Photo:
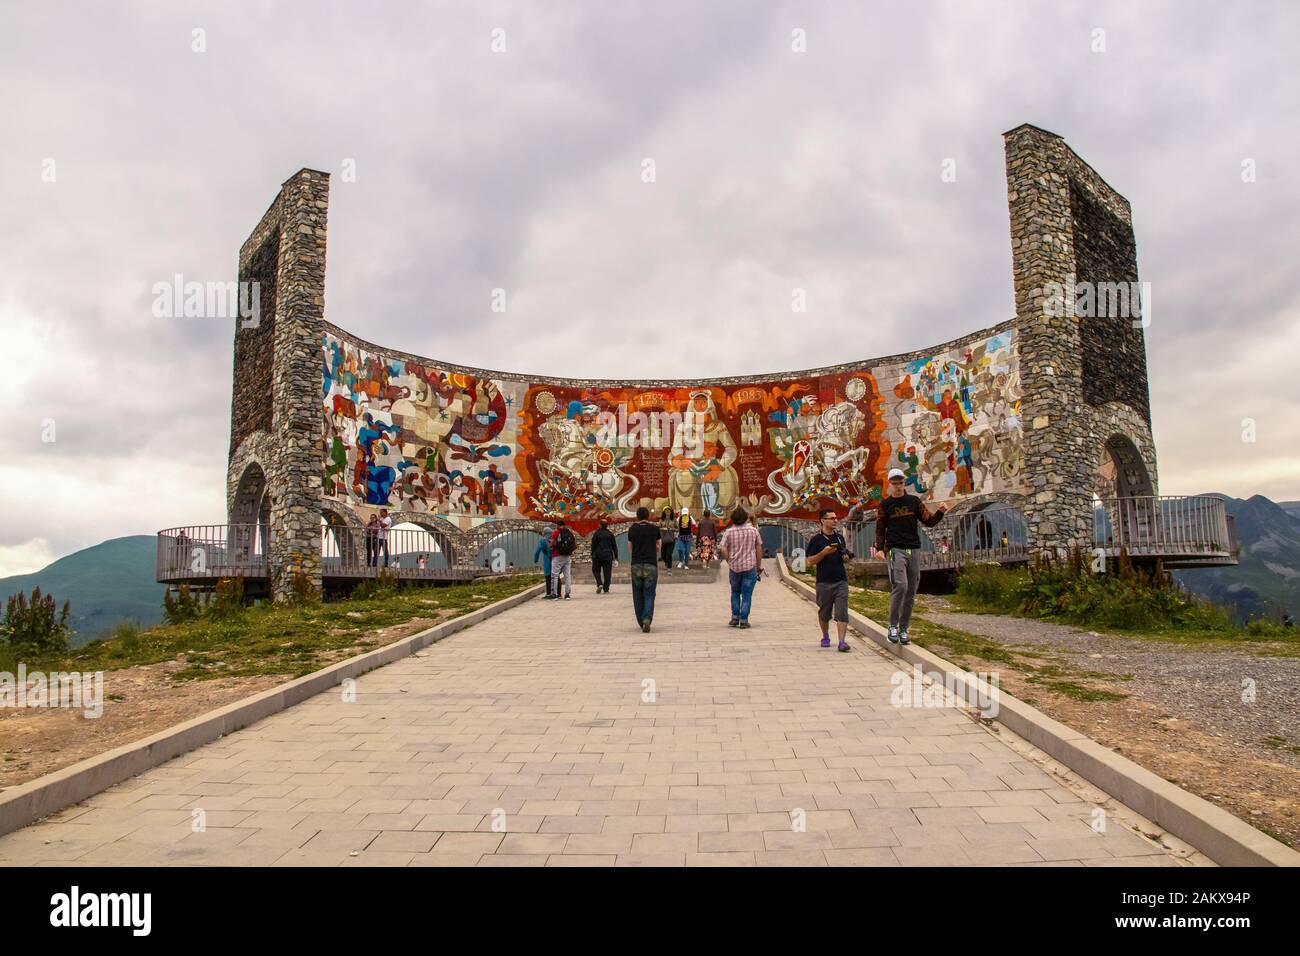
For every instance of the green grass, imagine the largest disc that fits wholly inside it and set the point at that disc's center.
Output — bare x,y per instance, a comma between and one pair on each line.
1126,602
975,652
292,640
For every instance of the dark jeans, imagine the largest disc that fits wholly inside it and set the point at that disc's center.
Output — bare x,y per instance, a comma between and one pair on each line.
601,569
742,591
645,578
383,546
666,552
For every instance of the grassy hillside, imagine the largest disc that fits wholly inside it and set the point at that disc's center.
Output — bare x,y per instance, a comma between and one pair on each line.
108,583
281,638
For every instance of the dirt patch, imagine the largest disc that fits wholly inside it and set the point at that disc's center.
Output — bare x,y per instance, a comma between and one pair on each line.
1183,714
138,702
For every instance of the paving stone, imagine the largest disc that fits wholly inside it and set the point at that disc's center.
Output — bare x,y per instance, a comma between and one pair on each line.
534,721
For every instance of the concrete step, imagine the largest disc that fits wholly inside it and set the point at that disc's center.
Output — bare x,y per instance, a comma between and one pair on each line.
692,575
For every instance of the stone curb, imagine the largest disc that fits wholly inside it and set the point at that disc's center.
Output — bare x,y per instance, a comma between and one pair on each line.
1224,838
38,798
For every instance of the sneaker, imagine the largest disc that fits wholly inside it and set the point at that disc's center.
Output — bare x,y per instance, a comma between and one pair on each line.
567,596
844,645
826,640
893,635
733,622
902,638
742,625
645,627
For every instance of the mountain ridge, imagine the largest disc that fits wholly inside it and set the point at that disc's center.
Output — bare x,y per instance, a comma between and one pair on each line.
106,583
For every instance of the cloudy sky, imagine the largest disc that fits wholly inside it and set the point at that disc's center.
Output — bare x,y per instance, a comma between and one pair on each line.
522,170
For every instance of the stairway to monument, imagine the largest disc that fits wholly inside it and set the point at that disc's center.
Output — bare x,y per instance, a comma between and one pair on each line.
692,575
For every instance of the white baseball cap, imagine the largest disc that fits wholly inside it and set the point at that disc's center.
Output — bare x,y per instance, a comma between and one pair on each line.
896,473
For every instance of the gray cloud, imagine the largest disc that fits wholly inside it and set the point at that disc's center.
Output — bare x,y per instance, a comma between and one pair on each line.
522,170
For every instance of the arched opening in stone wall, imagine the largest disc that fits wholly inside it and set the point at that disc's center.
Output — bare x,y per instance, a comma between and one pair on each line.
1124,508
1121,472
508,551
987,526
411,540
249,533
341,544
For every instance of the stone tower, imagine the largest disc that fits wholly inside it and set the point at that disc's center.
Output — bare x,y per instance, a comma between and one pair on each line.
273,479
1084,376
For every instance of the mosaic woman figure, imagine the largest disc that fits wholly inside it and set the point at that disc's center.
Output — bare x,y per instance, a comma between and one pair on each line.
701,475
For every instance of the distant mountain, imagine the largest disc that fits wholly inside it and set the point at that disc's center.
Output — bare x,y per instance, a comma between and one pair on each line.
1267,578
107,584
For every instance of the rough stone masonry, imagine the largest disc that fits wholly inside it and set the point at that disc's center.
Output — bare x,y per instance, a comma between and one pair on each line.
1082,380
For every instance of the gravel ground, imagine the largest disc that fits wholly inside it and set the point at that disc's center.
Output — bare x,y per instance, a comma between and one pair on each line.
1201,685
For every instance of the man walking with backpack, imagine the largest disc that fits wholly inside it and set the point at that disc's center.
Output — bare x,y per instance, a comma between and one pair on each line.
563,544
898,542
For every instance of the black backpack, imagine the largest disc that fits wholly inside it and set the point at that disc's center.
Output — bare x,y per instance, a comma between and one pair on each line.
565,543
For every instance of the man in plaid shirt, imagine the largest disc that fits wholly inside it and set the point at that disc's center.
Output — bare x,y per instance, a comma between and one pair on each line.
742,549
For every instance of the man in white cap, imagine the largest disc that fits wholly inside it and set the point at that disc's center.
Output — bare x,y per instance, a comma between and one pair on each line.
898,544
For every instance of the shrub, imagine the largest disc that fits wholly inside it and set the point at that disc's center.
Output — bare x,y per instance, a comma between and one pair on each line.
989,586
227,599
385,584
1123,598
185,606
36,625
127,634
1260,627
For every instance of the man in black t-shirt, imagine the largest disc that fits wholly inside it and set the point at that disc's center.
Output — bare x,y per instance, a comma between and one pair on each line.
643,539
604,548
898,543
827,552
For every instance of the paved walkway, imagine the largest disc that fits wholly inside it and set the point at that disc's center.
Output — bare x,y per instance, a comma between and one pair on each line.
558,734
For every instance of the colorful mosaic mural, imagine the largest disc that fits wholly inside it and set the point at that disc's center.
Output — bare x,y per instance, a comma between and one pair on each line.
413,437
954,420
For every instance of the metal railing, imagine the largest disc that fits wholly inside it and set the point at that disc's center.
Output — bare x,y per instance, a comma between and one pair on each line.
1168,525
211,551
1190,529
364,552
417,553
992,533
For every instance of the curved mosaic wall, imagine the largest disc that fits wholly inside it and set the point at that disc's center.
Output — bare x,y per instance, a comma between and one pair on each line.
470,446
